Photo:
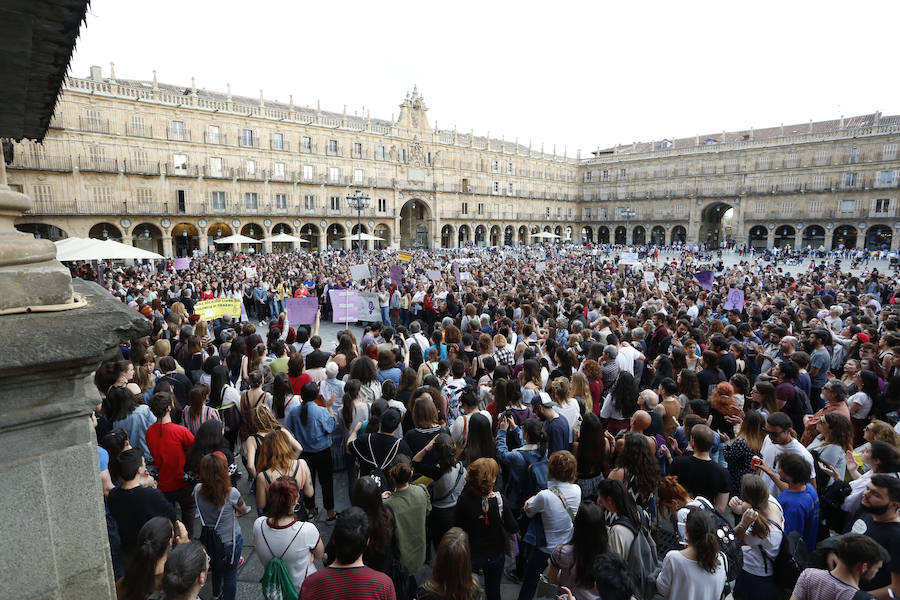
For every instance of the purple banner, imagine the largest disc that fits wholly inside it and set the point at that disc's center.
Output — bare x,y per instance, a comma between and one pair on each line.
396,275
735,300
302,311
344,305
181,264
456,273
705,279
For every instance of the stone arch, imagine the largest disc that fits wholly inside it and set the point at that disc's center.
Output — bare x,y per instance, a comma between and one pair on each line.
679,234
282,227
42,231
844,237
254,230
587,234
447,236
603,235
785,235
185,239
480,235
464,235
218,230
523,235
495,235
758,237
147,236
658,236
310,231
333,235
878,237
105,231
621,236
415,221
639,236
384,232
813,236
711,230
558,231
508,234
354,244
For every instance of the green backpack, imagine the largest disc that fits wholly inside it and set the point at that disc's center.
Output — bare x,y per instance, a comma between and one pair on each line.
276,580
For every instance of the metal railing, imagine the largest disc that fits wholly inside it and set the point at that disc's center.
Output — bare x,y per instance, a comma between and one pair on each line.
183,135
144,167
134,130
100,165
221,139
93,125
40,162
184,171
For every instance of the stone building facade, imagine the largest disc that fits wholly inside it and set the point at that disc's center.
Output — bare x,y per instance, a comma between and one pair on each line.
170,169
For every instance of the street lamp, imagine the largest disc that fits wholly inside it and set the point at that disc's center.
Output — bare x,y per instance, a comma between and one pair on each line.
628,213
358,201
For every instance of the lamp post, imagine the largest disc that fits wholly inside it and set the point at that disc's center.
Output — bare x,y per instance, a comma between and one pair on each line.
358,201
628,213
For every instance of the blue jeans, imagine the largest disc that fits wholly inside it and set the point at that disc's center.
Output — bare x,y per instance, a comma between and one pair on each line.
534,567
748,586
228,578
386,316
274,308
492,567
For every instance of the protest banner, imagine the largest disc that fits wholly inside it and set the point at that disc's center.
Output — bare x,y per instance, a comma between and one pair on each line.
396,275
367,310
360,272
649,277
735,300
663,286
217,308
705,279
301,311
404,256
433,274
541,266
628,258
250,272
456,273
344,305
181,264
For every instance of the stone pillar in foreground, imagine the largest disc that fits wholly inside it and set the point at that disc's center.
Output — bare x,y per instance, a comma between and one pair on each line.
53,530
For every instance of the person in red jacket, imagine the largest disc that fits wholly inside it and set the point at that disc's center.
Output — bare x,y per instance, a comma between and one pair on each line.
169,444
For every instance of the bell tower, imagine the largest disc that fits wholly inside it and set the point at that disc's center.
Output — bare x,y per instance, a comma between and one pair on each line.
413,112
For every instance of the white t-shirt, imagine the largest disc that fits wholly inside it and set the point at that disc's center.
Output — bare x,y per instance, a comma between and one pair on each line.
753,546
571,411
557,522
864,402
297,554
461,424
771,451
682,577
289,405
626,357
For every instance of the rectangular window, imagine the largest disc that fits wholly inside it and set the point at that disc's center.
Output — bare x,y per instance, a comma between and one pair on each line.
278,170
510,189
145,195
558,211
250,168
382,205
623,174
215,166
588,176
179,162
822,157
480,208
307,172
335,203
496,187
43,193
510,170
495,166
464,208
404,155
334,174
428,159
306,144
251,200
357,150
762,163
759,207
92,120
309,202
357,176
889,152
854,155
137,125
332,147
885,177
787,207
882,205
548,212
277,141
178,129
246,137
212,134
848,206
281,201
379,152
792,160
218,200
849,179
814,207
818,182
604,175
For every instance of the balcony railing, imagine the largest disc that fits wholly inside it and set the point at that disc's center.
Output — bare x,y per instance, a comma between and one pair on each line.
100,165
219,139
178,135
181,171
41,162
144,167
220,173
93,125
134,130
284,147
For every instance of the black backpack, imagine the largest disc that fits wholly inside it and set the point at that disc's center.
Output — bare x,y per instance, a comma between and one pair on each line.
791,560
209,537
378,472
729,544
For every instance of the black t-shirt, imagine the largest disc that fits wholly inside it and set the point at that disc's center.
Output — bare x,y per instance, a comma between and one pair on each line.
416,439
317,359
381,452
727,364
701,477
132,508
888,535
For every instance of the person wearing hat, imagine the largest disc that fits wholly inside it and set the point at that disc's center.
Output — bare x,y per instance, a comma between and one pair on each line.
555,425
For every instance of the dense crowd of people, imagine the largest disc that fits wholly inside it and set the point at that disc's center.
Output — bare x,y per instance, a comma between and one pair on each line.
672,427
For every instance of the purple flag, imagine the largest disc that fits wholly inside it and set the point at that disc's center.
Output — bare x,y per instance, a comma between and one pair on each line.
705,278
301,311
345,305
181,263
735,300
396,275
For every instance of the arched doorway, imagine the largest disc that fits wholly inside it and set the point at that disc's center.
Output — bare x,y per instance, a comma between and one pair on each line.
465,235
508,235
785,235
878,237
758,237
283,247
523,235
559,232
105,231
354,245
712,229
415,216
42,231
384,232
256,232
603,235
185,239
311,233
844,237
147,236
495,235
216,231
621,236
480,236
679,235
333,236
813,237
639,238
447,236
587,235
658,236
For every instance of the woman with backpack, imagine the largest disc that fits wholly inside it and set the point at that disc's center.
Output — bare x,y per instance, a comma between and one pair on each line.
552,512
572,563
224,397
219,504
760,531
250,399
143,573
276,458
411,505
697,571
448,476
280,535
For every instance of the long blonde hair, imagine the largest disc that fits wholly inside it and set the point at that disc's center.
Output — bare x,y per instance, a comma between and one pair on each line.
582,389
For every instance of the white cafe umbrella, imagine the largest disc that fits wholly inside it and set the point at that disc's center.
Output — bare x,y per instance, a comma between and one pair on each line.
237,238
73,249
286,238
544,234
366,237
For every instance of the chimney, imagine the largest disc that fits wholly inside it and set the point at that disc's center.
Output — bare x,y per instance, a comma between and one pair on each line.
96,74
112,72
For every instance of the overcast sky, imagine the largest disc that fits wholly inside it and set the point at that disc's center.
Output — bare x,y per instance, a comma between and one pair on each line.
574,74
